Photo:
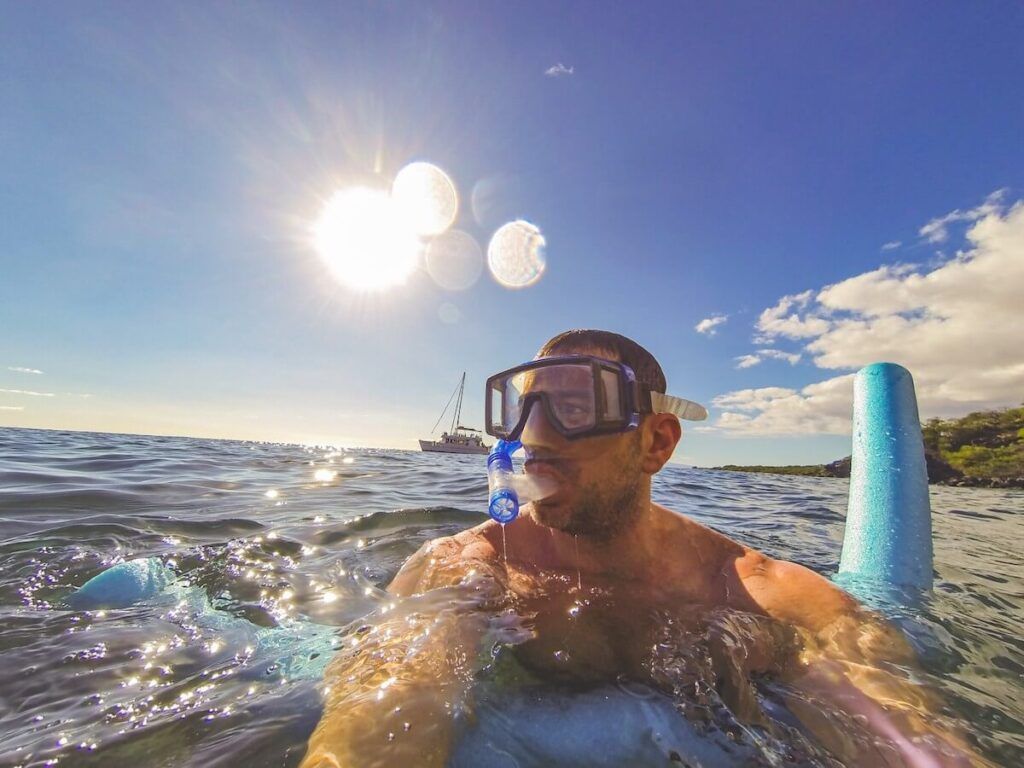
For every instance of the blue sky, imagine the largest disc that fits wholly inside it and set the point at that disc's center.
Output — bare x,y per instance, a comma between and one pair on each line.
162,167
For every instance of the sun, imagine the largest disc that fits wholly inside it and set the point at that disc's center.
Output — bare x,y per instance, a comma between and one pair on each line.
373,239
366,239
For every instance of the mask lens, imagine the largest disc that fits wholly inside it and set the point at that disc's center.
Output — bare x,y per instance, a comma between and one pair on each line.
512,399
496,424
569,390
613,405
575,395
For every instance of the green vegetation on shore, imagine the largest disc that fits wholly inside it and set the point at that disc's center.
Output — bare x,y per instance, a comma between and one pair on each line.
807,470
981,448
983,444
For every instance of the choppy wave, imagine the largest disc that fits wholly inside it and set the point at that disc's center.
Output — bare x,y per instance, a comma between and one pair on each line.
259,540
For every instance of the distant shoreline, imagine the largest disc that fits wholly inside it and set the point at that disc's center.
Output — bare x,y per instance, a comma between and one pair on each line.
984,449
821,470
804,470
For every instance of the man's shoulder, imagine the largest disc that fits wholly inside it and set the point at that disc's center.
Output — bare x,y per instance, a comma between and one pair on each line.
470,544
783,589
476,543
443,554
716,546
792,592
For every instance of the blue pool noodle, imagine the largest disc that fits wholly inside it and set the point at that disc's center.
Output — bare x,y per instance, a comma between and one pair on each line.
123,584
297,651
888,538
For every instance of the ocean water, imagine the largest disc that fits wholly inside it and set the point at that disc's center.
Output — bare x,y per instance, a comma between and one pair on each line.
281,550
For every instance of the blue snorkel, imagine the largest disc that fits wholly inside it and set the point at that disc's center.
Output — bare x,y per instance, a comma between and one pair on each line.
503,501
508,489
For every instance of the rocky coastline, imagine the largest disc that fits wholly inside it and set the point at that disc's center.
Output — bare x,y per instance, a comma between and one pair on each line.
984,449
841,468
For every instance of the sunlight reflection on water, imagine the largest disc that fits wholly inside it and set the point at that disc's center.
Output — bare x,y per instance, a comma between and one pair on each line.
224,667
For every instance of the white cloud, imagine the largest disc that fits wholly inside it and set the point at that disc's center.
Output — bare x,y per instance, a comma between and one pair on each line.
559,70
777,354
937,230
709,325
19,369
957,326
823,407
26,392
892,245
747,361
12,408
751,399
784,319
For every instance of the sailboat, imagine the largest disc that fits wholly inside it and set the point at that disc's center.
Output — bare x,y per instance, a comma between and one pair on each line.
460,439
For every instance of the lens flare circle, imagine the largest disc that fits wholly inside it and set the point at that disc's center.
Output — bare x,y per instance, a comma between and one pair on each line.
449,313
454,260
427,198
366,240
515,254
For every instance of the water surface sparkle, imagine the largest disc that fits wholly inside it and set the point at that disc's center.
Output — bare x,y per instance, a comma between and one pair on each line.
193,675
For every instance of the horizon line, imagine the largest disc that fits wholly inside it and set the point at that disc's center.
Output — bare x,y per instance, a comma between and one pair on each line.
252,440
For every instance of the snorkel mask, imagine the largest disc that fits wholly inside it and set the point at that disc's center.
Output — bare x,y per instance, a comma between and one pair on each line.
582,396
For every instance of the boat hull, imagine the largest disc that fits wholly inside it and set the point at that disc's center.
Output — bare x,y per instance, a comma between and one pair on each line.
432,446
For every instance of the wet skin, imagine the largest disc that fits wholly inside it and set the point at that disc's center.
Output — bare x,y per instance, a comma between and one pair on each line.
593,628
641,567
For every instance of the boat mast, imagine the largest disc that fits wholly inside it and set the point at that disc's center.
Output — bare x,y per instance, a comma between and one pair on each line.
434,428
458,404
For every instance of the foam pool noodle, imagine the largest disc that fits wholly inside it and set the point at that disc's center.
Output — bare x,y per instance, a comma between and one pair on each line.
294,650
123,584
888,538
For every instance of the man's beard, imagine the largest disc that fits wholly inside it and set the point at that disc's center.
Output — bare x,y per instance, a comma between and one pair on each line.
601,515
601,512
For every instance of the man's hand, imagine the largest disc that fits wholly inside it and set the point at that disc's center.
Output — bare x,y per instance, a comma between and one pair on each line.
394,690
855,660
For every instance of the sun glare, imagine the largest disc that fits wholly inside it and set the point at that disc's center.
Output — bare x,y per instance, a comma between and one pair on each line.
366,240
515,254
454,260
426,197
372,239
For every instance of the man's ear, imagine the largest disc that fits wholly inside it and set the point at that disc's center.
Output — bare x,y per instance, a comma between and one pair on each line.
662,435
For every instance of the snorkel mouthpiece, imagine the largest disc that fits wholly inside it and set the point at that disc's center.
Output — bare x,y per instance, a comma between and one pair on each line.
503,505
509,489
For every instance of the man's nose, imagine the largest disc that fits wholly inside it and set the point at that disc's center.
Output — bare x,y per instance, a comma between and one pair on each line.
537,431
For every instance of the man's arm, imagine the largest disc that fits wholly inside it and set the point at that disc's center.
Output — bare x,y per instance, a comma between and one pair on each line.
393,693
855,659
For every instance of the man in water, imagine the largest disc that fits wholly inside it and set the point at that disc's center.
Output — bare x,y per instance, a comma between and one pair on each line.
594,582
